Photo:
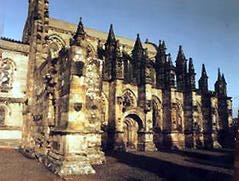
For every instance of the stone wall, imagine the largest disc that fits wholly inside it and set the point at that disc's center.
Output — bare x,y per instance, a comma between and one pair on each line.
14,60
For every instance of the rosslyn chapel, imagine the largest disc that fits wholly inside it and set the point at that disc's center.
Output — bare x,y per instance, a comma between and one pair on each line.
68,94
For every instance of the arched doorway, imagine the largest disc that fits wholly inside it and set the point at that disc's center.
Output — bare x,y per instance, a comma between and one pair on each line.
132,137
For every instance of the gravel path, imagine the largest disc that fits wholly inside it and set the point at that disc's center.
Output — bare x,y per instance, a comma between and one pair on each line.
186,165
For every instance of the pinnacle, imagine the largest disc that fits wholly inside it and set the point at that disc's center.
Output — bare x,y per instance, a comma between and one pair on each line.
80,28
164,45
111,36
138,44
181,57
180,48
170,63
219,78
80,33
223,79
204,72
191,66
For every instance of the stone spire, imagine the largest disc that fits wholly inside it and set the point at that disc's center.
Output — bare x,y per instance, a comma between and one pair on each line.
203,81
181,70
180,57
224,85
111,50
161,53
111,37
169,61
204,72
223,79
191,66
163,46
170,73
79,35
191,75
221,85
138,50
138,44
138,61
160,64
219,76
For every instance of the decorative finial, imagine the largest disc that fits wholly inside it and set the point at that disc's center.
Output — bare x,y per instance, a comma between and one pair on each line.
111,36
80,34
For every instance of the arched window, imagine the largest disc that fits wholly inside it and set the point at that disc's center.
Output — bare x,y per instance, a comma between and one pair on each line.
6,69
104,109
198,119
55,44
157,113
129,100
177,124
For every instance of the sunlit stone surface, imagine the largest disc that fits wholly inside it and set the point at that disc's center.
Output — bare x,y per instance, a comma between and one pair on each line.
68,99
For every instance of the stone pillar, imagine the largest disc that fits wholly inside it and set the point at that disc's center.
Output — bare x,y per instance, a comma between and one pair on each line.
148,134
188,116
76,141
119,132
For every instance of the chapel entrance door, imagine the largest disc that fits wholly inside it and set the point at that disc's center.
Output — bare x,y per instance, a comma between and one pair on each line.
131,136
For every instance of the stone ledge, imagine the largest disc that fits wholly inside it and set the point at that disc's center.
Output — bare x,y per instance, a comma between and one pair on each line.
14,46
10,128
65,132
12,99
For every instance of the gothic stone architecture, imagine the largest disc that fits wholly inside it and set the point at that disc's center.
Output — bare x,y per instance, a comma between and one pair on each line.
81,92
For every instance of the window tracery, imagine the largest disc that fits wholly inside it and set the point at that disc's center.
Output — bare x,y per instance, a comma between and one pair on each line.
128,100
6,74
55,44
157,113
177,124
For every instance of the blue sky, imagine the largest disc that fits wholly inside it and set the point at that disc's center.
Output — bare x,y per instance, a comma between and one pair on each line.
207,29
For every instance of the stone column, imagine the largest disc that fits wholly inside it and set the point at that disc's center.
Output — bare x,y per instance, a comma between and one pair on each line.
148,137
76,141
119,132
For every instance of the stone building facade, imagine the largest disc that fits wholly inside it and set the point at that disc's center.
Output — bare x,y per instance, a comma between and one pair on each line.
88,91
13,68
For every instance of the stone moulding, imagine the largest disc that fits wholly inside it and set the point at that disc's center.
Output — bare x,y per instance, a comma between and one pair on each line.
12,100
14,46
65,132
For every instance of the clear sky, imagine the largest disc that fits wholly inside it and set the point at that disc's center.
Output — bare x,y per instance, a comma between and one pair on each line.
207,29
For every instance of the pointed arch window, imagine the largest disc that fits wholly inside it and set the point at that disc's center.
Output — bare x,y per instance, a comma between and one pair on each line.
176,114
7,68
129,100
55,44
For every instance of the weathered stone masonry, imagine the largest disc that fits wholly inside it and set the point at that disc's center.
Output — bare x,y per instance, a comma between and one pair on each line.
89,92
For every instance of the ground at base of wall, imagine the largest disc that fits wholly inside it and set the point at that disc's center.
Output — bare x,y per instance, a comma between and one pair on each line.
10,143
165,165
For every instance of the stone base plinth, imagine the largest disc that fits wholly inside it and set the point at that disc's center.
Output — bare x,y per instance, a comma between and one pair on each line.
27,152
71,166
174,140
96,157
150,146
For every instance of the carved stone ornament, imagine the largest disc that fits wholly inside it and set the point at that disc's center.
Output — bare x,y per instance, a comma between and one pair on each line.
148,105
77,106
37,118
120,100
